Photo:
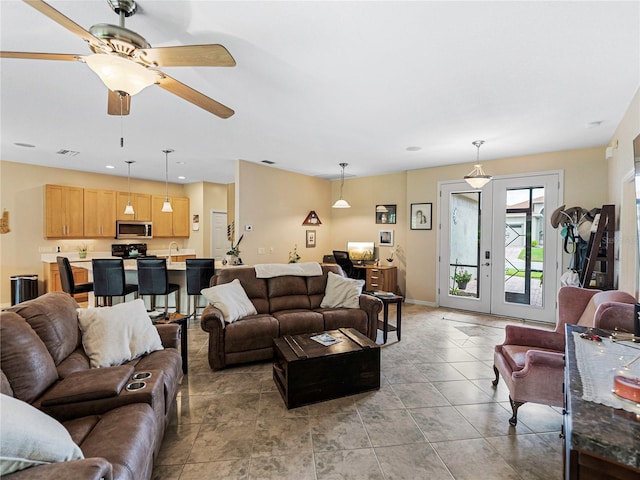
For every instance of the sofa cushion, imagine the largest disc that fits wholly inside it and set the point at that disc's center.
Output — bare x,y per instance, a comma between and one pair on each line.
335,318
53,317
342,292
251,333
317,285
293,322
31,437
231,299
256,288
115,335
25,360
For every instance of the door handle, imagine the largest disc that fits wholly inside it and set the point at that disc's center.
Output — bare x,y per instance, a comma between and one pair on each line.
486,264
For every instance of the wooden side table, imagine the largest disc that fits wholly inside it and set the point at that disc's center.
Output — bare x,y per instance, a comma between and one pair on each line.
386,301
180,319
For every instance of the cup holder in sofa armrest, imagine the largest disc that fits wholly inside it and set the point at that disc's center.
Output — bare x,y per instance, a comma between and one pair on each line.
86,385
134,386
141,376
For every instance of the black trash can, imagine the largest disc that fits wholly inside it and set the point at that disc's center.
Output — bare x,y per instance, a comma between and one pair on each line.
23,288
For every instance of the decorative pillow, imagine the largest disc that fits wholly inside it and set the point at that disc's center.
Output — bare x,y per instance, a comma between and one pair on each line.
342,292
30,437
115,335
231,300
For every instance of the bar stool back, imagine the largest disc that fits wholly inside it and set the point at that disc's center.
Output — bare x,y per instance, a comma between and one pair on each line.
199,273
109,281
153,279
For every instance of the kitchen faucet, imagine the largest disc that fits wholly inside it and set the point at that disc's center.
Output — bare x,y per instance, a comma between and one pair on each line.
177,250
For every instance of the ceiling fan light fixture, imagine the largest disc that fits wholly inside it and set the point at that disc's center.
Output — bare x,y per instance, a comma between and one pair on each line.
477,178
120,74
340,203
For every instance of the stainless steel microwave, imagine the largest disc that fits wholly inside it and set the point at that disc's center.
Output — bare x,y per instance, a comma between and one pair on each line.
129,229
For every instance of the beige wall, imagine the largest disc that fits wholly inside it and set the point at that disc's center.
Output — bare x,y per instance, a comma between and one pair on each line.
22,195
622,194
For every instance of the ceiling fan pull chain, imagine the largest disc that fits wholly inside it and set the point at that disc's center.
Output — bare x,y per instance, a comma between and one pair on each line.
121,122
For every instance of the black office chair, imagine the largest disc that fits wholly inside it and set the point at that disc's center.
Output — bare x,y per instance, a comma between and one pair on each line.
342,259
199,273
109,281
153,280
66,278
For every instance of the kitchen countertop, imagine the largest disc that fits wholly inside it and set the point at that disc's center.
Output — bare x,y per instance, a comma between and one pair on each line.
75,256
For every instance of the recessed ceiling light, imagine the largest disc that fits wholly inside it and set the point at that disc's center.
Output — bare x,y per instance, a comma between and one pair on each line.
413,149
181,177
109,167
20,144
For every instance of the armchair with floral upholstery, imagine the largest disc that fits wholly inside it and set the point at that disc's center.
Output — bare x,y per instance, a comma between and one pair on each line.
531,360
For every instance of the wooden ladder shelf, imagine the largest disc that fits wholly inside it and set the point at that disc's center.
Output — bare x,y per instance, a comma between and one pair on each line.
600,250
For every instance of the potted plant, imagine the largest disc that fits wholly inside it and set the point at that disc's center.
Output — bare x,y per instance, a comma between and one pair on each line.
82,251
462,278
233,254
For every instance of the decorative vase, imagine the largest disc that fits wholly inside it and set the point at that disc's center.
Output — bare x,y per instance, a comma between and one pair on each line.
82,254
231,259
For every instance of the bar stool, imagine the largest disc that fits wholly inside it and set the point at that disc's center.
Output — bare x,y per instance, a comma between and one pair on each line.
109,281
199,273
153,280
66,278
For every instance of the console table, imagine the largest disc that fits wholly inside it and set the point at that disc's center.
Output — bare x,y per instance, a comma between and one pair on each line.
601,442
380,278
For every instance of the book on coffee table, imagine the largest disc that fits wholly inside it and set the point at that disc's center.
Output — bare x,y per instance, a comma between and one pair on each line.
325,339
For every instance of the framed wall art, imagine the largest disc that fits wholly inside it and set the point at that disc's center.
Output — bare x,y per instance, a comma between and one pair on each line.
311,239
421,216
385,238
385,214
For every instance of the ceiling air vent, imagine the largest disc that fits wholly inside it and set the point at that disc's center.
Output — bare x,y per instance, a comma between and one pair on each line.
69,153
268,162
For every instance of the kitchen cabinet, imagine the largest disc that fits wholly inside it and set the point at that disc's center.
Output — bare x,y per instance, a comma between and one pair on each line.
99,213
174,224
141,203
64,212
54,284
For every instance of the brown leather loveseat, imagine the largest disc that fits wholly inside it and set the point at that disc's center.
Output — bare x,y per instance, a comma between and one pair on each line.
119,431
285,305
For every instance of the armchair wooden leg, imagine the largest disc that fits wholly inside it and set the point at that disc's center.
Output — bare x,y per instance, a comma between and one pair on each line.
495,382
514,408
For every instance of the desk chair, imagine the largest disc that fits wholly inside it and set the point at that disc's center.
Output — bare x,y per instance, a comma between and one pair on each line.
153,280
66,278
199,273
342,259
109,281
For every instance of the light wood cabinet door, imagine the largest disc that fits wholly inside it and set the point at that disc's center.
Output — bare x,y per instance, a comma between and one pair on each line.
64,211
54,284
141,203
175,224
99,213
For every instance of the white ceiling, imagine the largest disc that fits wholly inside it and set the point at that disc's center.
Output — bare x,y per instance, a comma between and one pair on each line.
319,83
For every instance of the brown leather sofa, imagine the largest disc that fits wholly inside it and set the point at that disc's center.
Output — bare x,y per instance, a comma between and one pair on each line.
119,431
286,305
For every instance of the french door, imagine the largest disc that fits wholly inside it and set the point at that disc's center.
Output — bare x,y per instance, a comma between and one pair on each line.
497,250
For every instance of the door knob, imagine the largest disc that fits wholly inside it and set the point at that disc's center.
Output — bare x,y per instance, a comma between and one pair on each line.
486,264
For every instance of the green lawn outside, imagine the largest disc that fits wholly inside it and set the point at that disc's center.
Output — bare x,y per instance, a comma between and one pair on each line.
511,271
537,254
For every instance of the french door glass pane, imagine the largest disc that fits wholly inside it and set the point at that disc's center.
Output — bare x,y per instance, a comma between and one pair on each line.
524,246
464,248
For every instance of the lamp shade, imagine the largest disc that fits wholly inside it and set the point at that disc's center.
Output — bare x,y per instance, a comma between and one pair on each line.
128,210
120,74
341,204
166,206
477,178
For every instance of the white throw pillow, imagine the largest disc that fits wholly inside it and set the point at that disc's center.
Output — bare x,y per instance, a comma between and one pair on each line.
231,300
30,437
342,292
115,335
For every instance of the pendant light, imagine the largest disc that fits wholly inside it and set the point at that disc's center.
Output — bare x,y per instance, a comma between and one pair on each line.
342,203
166,206
477,178
128,210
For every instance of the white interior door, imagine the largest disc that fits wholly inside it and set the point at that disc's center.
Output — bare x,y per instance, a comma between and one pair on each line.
219,242
498,251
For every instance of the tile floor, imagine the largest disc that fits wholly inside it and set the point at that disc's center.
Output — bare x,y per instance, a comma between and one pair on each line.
436,416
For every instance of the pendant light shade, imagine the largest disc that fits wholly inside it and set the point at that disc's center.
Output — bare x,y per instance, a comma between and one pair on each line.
342,203
128,210
120,74
166,206
477,178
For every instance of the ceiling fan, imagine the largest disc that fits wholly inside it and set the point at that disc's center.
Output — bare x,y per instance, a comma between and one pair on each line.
126,63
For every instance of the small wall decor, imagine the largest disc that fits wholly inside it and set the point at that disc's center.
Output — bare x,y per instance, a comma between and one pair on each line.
421,216
385,214
196,223
312,219
4,222
311,239
385,238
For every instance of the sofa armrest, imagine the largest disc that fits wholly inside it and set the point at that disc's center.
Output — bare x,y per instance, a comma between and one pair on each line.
572,301
169,334
372,306
212,321
94,468
534,337
614,316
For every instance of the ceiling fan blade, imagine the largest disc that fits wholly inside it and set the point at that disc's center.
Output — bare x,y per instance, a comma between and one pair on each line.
213,55
190,95
114,107
66,22
41,56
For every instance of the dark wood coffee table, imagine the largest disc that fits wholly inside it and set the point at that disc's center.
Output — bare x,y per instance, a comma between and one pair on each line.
306,371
